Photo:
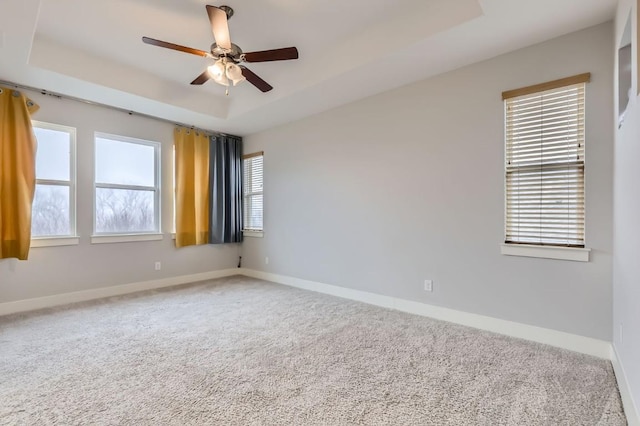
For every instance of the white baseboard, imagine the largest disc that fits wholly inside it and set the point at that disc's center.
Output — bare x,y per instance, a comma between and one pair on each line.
586,345
630,409
572,342
117,290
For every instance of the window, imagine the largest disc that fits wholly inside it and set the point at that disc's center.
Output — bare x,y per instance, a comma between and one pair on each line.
625,92
53,213
127,193
252,191
545,150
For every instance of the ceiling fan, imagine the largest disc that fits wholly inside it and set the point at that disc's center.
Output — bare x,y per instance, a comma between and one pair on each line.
228,55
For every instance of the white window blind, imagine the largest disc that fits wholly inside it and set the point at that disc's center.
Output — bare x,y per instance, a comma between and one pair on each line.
545,149
253,191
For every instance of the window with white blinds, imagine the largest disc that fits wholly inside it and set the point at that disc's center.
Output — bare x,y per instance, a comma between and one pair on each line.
545,149
253,191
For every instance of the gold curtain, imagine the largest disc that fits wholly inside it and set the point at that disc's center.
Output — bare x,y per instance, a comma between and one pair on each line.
192,187
17,173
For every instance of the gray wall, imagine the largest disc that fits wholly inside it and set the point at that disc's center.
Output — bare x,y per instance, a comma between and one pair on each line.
383,193
626,265
54,270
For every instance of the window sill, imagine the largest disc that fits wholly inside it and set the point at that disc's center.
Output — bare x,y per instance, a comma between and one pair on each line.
125,238
54,241
546,252
252,233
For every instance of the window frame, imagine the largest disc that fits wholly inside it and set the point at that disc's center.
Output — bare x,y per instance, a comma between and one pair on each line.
116,237
72,237
541,249
251,232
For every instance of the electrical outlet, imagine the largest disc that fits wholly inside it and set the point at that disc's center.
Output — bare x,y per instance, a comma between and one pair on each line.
428,285
158,266
266,260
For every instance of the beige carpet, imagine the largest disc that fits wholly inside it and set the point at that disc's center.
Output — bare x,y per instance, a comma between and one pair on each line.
239,351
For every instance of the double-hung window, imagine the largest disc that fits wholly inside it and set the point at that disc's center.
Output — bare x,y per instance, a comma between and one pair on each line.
253,192
54,206
127,185
544,163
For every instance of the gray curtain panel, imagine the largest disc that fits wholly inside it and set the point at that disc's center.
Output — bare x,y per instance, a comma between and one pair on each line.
225,171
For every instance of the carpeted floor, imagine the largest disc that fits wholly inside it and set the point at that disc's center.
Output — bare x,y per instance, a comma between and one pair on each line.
239,351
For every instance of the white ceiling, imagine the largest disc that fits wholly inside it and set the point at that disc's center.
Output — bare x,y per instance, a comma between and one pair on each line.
348,50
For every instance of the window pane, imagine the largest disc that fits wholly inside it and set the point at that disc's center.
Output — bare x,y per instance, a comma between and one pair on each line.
253,196
53,155
124,163
254,212
253,174
545,147
50,211
124,210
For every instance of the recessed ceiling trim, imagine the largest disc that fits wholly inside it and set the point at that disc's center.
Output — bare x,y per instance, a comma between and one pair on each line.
89,102
87,66
369,47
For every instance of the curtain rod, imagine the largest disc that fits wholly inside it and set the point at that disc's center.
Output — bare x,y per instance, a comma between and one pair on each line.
130,112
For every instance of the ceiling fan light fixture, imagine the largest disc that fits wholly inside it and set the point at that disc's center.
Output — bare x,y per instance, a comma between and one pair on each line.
216,70
234,73
238,81
223,80
223,70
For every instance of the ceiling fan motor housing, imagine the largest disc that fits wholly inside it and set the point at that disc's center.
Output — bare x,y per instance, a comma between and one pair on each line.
233,54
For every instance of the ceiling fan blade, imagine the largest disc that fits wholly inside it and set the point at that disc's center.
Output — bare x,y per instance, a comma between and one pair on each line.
173,46
202,78
255,80
219,26
272,55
